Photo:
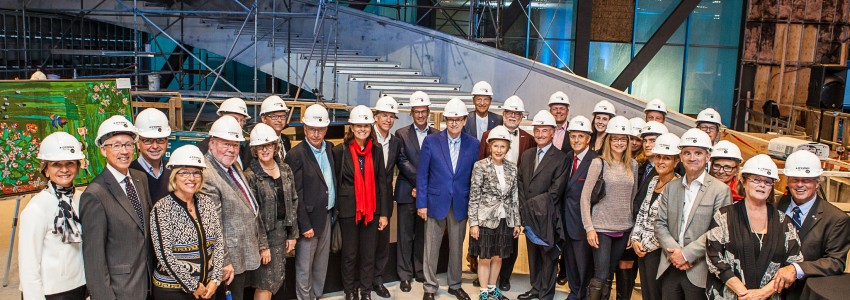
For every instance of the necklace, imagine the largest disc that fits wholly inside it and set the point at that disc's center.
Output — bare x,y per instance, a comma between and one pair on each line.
760,237
269,169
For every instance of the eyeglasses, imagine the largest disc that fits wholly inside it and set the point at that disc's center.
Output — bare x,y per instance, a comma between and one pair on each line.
187,174
118,147
277,117
727,169
513,113
228,145
265,147
454,120
758,181
619,140
708,128
148,142
420,112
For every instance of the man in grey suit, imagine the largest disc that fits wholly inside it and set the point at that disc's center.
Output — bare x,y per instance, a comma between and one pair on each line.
824,229
481,120
685,212
244,236
114,212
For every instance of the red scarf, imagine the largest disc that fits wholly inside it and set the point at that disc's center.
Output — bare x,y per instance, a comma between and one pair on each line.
734,186
364,188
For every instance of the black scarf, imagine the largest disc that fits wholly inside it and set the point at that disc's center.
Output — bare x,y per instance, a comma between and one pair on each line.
66,223
754,265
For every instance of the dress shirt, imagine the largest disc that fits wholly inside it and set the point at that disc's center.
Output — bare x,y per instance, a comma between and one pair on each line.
513,152
500,175
421,134
540,154
149,168
240,182
327,173
560,135
804,211
454,148
691,192
480,125
385,144
120,177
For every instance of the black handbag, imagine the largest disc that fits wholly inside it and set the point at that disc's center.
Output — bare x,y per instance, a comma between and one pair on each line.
599,189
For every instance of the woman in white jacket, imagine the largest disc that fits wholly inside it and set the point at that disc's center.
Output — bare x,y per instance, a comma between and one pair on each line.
50,257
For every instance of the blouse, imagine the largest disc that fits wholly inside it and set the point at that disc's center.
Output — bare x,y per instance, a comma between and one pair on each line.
644,231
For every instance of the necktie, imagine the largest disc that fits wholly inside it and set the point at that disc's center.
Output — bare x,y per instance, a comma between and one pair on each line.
244,193
514,132
134,199
539,157
454,154
575,164
795,216
646,172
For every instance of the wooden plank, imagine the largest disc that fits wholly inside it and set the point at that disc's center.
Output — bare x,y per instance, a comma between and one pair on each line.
762,82
794,43
810,37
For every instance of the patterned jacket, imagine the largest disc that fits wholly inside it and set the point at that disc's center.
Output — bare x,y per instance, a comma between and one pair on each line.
644,231
279,228
181,263
485,196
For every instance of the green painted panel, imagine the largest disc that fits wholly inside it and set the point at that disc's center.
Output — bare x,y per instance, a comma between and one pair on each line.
31,110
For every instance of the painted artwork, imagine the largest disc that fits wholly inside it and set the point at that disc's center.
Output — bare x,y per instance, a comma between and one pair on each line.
31,110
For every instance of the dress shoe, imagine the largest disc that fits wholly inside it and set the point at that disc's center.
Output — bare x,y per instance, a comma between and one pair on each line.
351,296
428,296
562,280
366,296
420,279
460,294
476,282
405,286
505,285
380,290
528,296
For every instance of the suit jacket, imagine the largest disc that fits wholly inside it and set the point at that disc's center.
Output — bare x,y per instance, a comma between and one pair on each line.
391,162
117,250
408,159
713,195
540,193
346,202
438,187
486,196
824,239
311,186
571,206
241,226
526,141
471,128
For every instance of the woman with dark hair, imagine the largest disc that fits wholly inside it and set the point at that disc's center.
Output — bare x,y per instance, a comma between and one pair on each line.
362,203
50,252
609,222
186,233
750,240
271,181
602,113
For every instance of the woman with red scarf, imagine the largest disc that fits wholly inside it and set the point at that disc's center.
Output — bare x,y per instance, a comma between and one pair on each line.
725,159
362,202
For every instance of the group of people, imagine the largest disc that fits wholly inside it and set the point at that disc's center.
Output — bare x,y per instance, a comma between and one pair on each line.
597,199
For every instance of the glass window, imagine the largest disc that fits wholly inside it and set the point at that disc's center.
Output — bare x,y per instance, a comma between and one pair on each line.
607,60
710,80
662,77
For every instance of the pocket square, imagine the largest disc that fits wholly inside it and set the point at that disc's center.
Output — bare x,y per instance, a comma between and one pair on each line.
581,179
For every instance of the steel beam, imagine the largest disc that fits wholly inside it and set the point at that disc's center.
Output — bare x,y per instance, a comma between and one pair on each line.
584,13
654,44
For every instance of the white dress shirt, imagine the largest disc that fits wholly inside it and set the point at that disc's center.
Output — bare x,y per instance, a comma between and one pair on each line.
513,152
385,144
120,177
481,125
691,191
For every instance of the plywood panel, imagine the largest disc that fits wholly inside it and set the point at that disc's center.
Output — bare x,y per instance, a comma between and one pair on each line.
794,43
762,82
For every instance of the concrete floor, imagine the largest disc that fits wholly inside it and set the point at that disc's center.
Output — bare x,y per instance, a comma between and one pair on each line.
7,213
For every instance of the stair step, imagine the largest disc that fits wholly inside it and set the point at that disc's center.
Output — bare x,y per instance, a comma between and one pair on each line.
378,71
394,78
267,35
436,97
345,57
407,86
360,64
296,45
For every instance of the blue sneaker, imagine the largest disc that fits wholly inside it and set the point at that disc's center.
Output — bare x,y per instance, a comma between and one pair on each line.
483,296
497,295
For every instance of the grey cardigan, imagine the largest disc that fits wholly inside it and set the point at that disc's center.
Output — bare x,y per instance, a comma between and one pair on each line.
613,213
485,196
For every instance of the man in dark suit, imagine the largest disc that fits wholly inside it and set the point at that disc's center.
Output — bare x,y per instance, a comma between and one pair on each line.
559,107
411,229
577,253
542,178
385,115
114,212
154,130
520,141
442,196
275,113
481,120
312,167
824,230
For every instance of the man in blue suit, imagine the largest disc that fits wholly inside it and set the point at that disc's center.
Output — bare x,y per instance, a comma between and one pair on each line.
442,195
481,119
576,250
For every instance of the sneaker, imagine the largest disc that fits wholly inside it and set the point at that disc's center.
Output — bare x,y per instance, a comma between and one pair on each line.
497,295
483,296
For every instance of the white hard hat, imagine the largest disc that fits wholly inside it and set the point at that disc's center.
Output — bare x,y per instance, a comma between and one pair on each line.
499,133
153,124
226,127
637,126
761,165
695,138
482,88
604,107
387,104
272,104
316,116
419,98
233,105
263,134
559,98
667,144
514,103
709,115
187,156
117,123
361,114
803,163
654,127
619,125
455,108
544,118
580,123
59,146
726,149
656,105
